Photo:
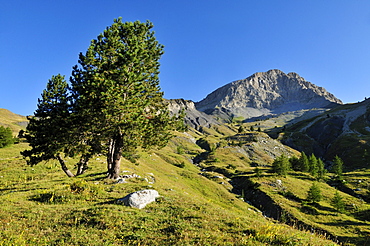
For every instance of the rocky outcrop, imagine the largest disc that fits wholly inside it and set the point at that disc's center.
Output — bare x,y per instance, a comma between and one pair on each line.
193,118
265,93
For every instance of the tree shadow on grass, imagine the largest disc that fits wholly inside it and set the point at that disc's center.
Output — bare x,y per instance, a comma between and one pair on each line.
315,208
10,190
324,208
359,239
97,176
302,176
345,223
363,215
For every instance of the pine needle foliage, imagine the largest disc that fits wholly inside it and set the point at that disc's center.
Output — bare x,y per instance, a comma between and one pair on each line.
304,162
337,202
338,166
113,106
314,193
48,131
281,165
117,94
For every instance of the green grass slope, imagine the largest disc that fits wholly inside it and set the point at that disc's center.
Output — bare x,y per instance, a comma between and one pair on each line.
351,226
41,206
14,121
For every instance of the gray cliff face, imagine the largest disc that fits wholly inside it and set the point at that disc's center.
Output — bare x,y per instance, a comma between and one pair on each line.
193,117
267,93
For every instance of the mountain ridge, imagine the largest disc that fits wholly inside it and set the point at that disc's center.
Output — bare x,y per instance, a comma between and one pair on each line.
266,93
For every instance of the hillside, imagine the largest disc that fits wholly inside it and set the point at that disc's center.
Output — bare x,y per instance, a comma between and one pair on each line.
342,131
40,206
14,121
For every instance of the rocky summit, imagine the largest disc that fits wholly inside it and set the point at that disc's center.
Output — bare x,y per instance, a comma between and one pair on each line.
267,93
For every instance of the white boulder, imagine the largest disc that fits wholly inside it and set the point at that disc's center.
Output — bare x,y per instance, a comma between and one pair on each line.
139,199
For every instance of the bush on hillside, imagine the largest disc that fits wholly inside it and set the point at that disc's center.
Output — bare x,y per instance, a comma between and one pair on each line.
6,136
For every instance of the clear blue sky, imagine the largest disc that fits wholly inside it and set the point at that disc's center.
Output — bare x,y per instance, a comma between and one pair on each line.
208,43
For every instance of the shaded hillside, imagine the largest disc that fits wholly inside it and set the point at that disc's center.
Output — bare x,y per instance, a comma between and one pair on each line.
342,131
267,93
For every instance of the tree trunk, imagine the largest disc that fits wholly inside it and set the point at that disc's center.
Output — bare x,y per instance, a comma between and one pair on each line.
110,154
64,166
115,157
82,164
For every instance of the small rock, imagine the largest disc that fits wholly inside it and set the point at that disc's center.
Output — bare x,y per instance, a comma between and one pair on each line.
121,181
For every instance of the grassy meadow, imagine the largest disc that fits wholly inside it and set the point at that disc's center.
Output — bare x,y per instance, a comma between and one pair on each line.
41,206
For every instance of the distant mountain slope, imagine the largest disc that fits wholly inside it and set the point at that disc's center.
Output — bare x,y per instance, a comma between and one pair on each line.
266,93
342,131
15,121
193,118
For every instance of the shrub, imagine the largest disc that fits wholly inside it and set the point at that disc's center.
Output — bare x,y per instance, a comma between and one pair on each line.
6,136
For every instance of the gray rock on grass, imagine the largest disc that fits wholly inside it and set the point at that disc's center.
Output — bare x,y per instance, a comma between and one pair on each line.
139,199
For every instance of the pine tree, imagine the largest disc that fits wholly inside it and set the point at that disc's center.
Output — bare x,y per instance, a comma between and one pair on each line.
314,193
47,131
321,171
295,163
117,93
304,163
338,166
313,165
337,202
281,165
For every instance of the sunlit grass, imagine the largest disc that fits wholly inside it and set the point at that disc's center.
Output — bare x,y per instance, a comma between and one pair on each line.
41,206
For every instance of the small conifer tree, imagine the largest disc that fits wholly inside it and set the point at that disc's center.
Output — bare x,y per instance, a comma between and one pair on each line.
338,166
313,165
314,193
281,165
337,202
321,171
294,163
303,162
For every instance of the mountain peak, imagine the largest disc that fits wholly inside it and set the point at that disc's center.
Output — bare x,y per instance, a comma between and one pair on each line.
265,93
